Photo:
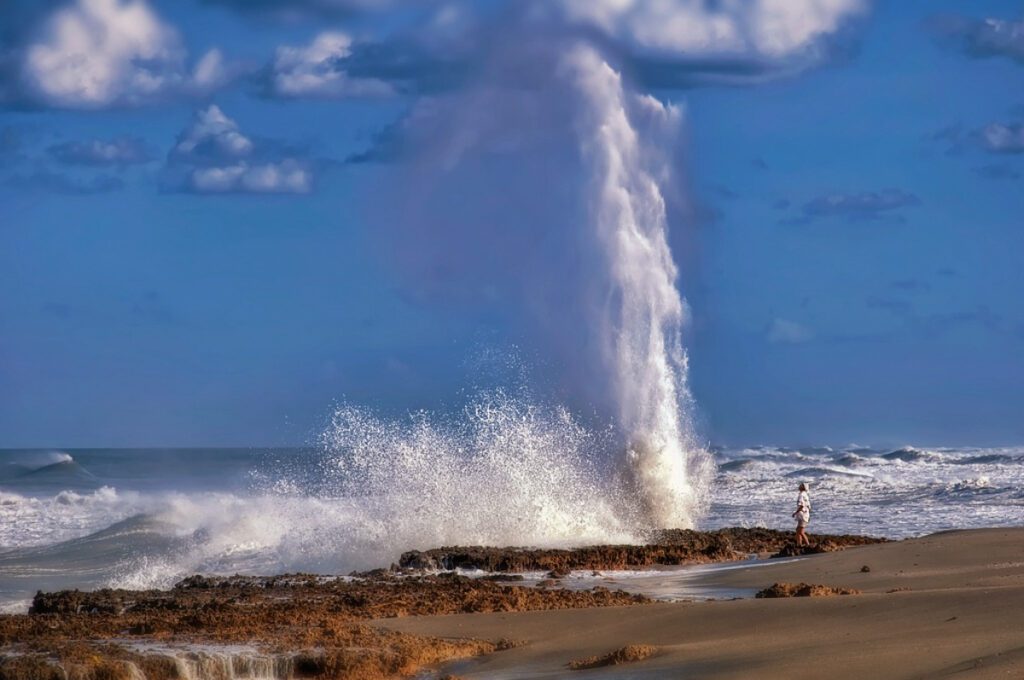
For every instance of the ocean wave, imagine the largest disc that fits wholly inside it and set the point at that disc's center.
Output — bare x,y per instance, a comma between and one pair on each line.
987,459
736,465
25,462
909,454
970,488
28,520
824,471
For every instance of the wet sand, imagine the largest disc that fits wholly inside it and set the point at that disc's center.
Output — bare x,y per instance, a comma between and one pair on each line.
947,605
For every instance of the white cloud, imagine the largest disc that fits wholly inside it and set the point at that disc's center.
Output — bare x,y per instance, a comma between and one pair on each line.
213,156
1003,138
214,135
316,70
210,72
286,177
97,53
791,332
691,28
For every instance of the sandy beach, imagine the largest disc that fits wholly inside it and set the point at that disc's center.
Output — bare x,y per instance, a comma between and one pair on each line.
946,605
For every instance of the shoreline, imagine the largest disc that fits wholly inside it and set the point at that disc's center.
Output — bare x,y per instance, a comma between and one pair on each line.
393,623
941,605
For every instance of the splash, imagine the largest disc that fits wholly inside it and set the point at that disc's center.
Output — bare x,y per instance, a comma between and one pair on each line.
504,472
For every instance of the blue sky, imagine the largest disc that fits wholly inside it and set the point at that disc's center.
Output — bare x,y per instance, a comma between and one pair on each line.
852,258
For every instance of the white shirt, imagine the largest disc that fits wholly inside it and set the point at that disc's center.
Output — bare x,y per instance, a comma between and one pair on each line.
804,502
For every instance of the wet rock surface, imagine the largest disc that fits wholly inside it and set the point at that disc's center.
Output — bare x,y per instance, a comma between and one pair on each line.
666,547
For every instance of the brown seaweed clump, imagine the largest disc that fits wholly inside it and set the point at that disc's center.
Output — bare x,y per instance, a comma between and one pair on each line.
804,590
627,654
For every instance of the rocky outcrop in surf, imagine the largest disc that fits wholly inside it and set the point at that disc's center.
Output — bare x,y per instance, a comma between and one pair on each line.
666,547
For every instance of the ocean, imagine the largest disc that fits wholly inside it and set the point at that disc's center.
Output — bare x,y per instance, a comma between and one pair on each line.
138,518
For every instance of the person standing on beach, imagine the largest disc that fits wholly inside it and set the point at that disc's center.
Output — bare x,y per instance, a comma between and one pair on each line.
803,515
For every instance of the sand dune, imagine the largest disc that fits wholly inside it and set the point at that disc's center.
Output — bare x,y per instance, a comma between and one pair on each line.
947,605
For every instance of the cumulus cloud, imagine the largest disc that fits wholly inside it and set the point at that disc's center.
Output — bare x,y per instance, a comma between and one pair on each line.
318,70
689,42
120,151
982,38
784,331
213,156
768,28
864,206
1003,138
285,177
659,44
94,54
212,136
101,53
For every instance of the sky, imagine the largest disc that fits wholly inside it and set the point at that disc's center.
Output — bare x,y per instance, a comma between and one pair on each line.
206,240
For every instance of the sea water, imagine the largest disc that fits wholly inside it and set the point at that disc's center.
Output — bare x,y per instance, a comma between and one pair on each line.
138,518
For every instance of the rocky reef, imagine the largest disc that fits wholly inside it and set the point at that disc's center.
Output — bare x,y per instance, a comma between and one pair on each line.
295,626
309,626
666,547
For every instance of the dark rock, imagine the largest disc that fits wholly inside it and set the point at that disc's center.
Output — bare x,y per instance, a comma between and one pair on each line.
414,559
668,547
794,550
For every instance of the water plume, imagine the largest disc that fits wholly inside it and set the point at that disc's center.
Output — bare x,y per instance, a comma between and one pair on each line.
639,312
548,186
536,190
